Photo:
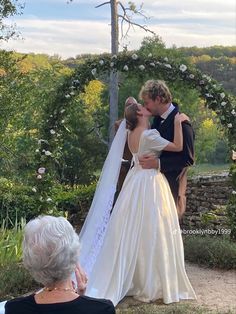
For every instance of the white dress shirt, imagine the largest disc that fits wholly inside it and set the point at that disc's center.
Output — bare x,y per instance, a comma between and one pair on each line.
167,112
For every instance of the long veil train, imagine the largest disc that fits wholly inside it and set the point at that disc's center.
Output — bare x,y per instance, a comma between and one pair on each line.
95,226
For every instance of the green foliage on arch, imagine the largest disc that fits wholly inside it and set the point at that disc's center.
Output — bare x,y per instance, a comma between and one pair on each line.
50,144
214,95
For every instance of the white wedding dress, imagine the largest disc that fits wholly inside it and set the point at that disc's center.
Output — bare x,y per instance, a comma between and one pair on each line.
138,251
142,253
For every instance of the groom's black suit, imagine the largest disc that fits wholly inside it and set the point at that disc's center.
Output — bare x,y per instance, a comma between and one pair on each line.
174,164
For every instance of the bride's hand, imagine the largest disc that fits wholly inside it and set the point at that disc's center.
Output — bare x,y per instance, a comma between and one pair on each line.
177,118
183,117
180,117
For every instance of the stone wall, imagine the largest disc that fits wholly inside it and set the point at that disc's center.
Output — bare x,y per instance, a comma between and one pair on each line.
207,198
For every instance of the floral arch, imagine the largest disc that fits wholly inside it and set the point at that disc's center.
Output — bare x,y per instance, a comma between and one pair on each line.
210,90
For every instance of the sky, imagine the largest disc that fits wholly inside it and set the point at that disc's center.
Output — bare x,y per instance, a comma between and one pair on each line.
56,27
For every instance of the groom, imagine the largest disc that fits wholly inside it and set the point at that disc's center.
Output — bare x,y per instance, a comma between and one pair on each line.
158,100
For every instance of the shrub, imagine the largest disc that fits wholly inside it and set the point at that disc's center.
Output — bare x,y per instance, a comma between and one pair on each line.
18,200
74,200
231,208
11,243
217,252
15,281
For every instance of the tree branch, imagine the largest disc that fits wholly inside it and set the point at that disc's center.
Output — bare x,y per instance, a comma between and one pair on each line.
131,23
123,8
100,137
104,3
96,129
128,19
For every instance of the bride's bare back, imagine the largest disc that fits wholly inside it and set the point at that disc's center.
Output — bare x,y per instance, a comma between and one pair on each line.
134,139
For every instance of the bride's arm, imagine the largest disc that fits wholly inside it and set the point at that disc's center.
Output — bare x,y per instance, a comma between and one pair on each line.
177,144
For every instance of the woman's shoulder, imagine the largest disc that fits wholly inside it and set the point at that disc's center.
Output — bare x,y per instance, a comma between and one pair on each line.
20,305
150,133
98,305
85,304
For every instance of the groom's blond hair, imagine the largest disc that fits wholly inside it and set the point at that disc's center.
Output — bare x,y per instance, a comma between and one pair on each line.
154,88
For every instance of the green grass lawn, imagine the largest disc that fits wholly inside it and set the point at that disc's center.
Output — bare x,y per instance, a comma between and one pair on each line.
198,169
201,169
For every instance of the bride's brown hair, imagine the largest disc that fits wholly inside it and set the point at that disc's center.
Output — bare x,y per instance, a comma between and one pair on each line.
131,116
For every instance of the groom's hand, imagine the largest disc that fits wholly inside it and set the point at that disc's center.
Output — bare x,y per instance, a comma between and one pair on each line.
149,161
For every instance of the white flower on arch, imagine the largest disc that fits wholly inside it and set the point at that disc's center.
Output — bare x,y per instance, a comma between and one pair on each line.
94,71
183,67
142,67
41,170
134,56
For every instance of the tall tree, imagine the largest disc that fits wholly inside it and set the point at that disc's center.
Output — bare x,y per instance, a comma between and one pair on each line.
125,17
9,8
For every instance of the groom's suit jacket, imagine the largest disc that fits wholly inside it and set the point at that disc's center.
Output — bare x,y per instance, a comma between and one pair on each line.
174,164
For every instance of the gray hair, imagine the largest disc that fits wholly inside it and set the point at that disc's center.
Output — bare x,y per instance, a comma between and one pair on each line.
50,249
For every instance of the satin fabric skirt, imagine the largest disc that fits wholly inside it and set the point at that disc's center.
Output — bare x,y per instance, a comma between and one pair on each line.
142,253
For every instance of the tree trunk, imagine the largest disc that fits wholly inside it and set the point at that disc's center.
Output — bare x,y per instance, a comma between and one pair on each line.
113,91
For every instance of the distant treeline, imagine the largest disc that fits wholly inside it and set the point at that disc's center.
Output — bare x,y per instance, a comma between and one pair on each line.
214,51
217,61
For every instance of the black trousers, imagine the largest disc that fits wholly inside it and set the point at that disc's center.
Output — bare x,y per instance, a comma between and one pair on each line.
172,178
178,184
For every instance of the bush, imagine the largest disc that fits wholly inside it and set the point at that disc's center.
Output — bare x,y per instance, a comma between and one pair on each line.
18,200
231,208
11,243
15,281
74,200
217,252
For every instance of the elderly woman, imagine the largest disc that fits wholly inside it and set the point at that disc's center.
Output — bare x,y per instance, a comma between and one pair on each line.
50,253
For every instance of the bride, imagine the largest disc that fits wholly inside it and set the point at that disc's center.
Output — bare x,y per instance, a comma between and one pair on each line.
138,250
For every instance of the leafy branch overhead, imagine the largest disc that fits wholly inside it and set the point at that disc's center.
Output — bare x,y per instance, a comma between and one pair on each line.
9,8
